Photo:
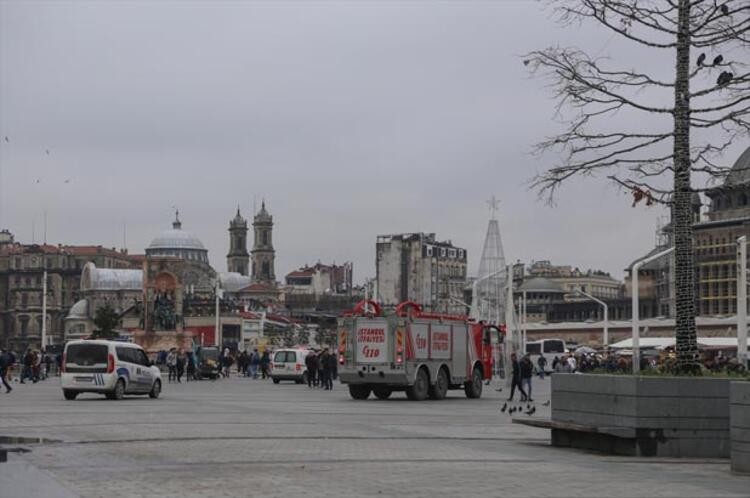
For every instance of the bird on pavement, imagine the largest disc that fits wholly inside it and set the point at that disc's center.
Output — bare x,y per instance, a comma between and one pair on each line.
505,407
546,403
531,412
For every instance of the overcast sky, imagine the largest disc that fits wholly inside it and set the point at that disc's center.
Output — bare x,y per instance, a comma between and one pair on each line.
351,119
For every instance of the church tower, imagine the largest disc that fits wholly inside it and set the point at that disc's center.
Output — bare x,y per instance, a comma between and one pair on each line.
263,253
238,259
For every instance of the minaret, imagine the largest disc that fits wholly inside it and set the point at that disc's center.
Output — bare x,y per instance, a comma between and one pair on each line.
263,253
238,259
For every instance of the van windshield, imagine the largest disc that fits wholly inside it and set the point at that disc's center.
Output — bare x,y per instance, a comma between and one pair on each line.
86,354
280,357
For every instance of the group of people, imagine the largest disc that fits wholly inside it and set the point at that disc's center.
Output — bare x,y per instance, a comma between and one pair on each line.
32,365
521,371
248,364
181,363
322,369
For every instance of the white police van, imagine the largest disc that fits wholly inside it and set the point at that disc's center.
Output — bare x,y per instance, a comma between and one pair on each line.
108,367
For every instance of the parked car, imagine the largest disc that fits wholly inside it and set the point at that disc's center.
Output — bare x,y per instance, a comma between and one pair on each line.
289,364
111,368
208,363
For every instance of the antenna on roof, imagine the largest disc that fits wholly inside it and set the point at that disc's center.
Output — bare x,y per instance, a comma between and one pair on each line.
124,235
45,227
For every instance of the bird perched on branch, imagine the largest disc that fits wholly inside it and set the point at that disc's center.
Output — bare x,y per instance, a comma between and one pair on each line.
724,9
724,78
718,59
701,58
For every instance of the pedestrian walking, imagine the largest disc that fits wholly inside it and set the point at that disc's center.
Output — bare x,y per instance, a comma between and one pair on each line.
527,372
516,378
541,364
5,365
180,366
254,363
265,361
172,365
190,366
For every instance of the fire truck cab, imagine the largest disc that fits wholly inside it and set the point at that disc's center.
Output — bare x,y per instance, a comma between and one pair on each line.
423,354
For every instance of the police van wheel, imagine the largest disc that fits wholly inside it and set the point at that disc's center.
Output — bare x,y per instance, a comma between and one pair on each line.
359,391
473,388
421,387
382,392
440,389
276,381
155,390
69,395
119,391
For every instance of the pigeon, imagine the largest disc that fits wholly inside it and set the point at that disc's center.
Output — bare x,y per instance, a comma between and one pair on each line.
546,403
718,59
701,58
531,411
505,407
725,9
724,78
512,410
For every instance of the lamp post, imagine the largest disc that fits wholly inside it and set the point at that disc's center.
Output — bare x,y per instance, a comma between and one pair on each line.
217,334
606,314
634,303
742,300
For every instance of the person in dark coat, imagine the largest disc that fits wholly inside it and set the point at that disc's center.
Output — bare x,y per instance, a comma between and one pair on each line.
265,361
515,380
311,362
527,372
5,364
324,371
331,365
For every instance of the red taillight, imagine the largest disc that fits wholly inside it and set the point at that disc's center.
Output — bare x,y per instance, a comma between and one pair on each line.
341,359
299,367
62,365
110,364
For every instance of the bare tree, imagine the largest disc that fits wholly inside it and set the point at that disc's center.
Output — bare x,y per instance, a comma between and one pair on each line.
709,96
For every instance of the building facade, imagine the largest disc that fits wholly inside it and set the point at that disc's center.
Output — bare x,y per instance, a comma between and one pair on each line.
418,267
22,268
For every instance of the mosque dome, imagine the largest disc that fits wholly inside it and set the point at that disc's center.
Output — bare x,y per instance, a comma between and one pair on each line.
178,243
80,310
740,172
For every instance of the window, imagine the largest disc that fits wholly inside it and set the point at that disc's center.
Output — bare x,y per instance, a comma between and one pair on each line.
86,354
280,357
125,354
24,299
554,346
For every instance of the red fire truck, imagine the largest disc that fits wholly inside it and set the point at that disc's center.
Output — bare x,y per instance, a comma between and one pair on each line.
423,354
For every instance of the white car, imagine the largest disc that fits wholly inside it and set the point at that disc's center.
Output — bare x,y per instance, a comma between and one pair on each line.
108,367
289,364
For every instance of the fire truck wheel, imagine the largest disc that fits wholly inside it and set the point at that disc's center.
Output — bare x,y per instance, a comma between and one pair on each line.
421,386
440,389
473,388
359,391
382,392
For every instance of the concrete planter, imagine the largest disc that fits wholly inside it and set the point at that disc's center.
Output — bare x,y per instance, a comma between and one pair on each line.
739,419
646,416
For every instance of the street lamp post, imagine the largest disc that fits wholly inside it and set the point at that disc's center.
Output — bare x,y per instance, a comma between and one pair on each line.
634,303
742,300
606,314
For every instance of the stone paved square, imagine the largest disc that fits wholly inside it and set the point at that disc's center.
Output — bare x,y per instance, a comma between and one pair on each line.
239,437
